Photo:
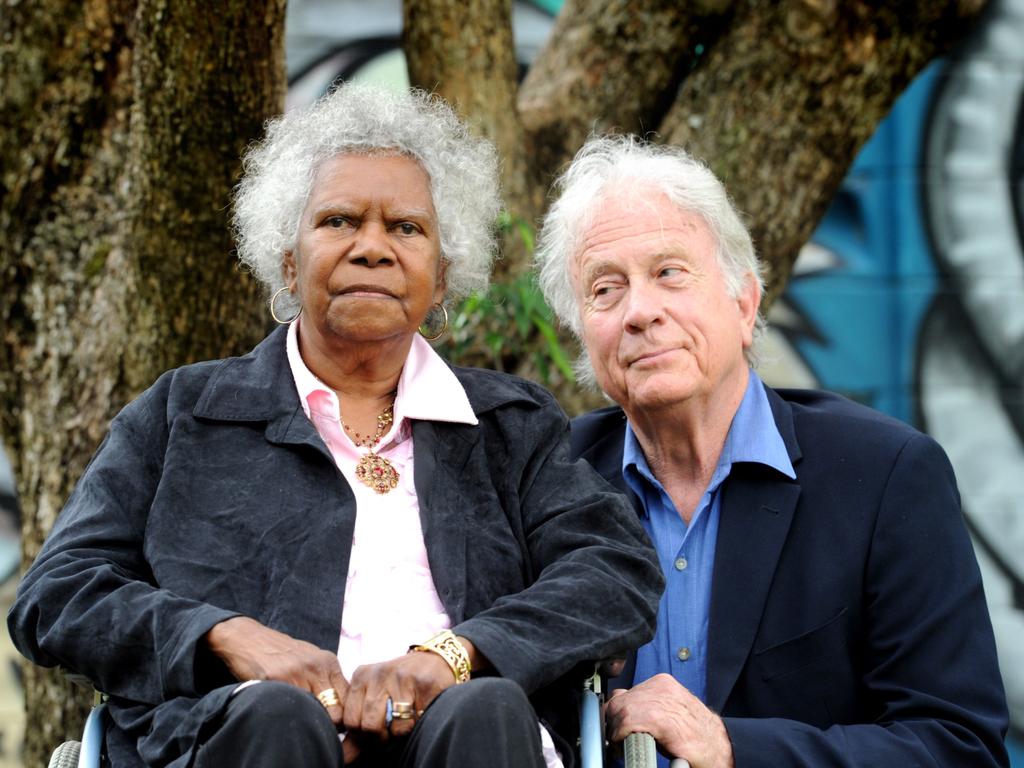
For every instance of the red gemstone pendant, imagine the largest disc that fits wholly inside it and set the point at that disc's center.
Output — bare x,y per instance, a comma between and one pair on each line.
377,473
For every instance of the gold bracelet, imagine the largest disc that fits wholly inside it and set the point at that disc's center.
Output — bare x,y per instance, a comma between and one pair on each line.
447,646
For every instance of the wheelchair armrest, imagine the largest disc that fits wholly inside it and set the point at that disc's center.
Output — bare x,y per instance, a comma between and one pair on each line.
93,736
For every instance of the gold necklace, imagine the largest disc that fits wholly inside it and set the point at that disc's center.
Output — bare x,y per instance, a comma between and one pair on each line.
373,470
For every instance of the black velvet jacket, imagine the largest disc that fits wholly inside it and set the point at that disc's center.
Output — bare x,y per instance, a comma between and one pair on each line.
214,496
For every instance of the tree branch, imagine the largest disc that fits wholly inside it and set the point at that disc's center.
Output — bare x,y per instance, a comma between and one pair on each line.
610,67
785,99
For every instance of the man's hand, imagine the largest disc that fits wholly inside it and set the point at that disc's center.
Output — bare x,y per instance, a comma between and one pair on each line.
252,651
678,721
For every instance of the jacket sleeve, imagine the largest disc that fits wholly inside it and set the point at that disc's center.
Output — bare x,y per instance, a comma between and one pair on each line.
596,578
930,676
89,601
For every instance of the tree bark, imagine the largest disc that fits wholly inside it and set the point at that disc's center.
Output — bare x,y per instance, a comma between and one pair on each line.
122,126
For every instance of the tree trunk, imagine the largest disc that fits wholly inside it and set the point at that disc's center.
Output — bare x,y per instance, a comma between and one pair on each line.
463,50
122,126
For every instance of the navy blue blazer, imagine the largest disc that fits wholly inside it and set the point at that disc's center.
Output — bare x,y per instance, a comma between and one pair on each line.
214,496
848,626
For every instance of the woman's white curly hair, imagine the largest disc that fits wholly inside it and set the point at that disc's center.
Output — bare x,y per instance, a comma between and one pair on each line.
278,174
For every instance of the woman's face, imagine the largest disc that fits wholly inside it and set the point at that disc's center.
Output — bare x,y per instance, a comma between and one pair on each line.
367,262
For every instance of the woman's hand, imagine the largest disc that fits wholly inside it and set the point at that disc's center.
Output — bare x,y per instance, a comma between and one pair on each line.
416,679
252,651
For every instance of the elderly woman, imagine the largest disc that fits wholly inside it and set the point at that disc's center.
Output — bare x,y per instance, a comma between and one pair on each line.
338,533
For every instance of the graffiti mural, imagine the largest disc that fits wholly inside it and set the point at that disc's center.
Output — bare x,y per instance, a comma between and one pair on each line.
911,298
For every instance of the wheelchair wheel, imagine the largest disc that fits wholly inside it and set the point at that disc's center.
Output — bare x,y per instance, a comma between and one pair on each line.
66,755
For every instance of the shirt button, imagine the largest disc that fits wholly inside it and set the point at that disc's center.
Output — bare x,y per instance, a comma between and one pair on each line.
684,654
681,563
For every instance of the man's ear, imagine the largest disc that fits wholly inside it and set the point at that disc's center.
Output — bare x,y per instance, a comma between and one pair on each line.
289,270
749,302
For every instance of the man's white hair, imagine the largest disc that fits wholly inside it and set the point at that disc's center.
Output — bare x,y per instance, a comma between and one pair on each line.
622,166
364,120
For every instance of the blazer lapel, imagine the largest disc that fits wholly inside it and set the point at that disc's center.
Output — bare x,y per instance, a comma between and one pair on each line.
441,451
756,512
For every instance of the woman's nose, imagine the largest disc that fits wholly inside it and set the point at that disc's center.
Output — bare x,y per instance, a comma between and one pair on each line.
371,247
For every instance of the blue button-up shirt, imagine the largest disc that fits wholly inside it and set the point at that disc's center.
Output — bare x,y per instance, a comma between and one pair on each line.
687,552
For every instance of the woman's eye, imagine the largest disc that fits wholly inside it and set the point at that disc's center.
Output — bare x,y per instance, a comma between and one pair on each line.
335,221
670,271
407,228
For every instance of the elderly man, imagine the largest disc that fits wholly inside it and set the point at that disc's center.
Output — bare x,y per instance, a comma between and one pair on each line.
823,605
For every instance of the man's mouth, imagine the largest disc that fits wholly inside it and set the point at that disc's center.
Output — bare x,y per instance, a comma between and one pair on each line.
645,357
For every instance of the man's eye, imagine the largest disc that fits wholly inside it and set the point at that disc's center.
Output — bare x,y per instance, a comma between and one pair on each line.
407,228
670,271
336,221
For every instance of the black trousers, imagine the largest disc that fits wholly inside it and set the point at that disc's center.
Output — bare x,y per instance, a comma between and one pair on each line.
485,722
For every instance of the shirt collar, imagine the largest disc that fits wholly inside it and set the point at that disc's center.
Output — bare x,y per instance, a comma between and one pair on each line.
427,388
753,437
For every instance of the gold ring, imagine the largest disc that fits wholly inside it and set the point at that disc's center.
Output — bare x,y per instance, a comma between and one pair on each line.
328,697
402,710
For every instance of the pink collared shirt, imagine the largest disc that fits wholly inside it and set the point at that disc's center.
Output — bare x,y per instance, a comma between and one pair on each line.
390,600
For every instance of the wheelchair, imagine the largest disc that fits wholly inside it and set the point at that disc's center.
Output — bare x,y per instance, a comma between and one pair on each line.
639,748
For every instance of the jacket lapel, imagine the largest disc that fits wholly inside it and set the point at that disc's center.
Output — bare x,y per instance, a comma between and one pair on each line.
605,456
441,451
259,388
756,511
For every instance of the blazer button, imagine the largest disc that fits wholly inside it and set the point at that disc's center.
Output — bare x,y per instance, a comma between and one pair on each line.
684,654
681,563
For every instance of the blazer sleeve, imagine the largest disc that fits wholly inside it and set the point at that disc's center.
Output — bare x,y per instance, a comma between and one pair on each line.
930,675
597,580
89,601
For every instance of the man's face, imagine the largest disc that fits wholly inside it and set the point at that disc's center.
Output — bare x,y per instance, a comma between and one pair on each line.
658,321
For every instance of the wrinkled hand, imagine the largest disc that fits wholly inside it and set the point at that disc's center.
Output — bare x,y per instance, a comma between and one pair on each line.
678,721
416,678
252,651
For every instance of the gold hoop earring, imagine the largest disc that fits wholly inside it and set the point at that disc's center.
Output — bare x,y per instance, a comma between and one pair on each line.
273,314
444,327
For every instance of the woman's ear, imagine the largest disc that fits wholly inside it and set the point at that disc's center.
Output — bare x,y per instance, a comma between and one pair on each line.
289,270
442,282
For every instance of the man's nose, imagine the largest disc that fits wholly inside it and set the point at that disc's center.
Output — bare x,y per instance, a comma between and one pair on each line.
371,247
643,306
